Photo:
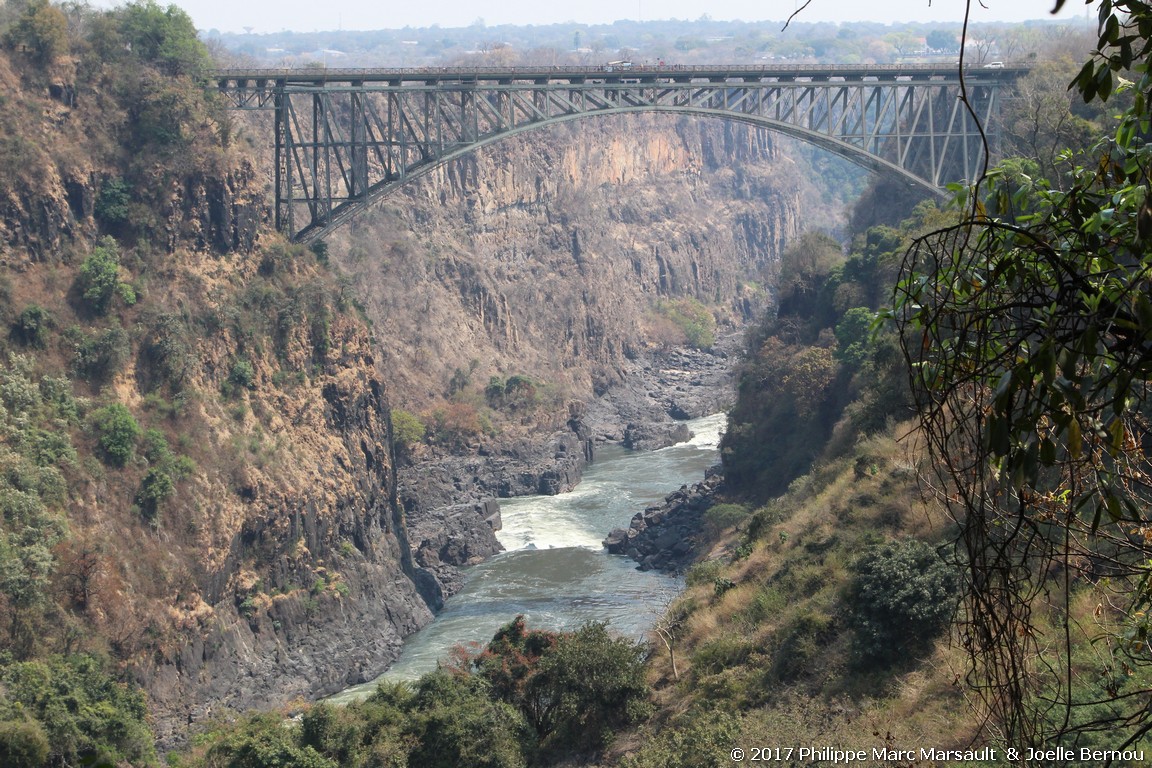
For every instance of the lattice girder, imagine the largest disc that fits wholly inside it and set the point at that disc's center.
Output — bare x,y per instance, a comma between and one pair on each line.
345,138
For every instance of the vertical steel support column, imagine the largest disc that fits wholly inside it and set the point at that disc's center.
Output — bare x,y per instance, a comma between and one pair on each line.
283,160
396,153
358,160
438,111
320,205
471,116
991,123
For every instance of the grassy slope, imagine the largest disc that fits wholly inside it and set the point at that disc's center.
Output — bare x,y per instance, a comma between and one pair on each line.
765,636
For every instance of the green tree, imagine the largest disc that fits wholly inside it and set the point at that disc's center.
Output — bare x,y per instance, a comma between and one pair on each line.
262,741
23,744
521,391
99,276
509,664
458,723
785,409
31,326
113,205
575,689
407,431
116,432
942,40
28,532
97,357
42,30
596,684
88,717
455,425
902,596
165,37
852,336
167,356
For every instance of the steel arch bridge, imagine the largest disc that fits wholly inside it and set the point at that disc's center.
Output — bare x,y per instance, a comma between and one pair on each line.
346,137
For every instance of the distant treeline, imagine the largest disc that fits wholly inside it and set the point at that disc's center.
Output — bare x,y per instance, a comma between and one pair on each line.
675,41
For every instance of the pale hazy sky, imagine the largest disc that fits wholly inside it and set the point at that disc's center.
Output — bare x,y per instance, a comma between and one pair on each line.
313,15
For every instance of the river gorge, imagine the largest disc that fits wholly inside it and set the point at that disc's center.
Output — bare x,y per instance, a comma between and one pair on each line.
555,570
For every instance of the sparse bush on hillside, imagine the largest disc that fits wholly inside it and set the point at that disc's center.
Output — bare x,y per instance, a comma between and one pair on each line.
99,278
407,431
31,326
278,258
166,357
693,319
112,208
519,392
99,356
242,375
156,486
902,597
461,379
455,425
702,739
720,517
166,469
800,642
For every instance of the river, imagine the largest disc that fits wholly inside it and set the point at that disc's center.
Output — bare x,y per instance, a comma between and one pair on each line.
554,570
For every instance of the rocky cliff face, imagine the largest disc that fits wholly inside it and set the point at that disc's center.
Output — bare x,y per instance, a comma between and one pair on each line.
308,584
281,568
283,565
275,563
549,254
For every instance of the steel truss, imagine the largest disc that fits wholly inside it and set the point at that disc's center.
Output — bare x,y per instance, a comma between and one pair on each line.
343,141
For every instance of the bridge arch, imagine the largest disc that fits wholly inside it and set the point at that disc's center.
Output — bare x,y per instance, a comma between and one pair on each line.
346,138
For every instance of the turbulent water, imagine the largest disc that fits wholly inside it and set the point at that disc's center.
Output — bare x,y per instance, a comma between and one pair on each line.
555,571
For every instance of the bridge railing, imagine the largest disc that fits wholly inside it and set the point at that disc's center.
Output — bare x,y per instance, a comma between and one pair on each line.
317,75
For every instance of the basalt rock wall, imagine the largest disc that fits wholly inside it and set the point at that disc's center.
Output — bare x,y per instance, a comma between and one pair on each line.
550,254
553,255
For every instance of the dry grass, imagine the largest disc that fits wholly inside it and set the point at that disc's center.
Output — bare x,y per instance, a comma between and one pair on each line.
767,637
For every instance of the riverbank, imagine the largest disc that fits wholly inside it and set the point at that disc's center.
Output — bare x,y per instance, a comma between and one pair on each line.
666,536
554,570
452,503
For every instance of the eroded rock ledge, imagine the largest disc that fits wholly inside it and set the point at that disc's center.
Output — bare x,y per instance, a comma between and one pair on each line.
666,536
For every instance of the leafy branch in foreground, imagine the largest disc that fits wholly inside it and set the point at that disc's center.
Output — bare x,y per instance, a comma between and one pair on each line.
1028,331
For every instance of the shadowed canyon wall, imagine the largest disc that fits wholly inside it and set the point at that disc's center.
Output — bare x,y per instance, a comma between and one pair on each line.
548,254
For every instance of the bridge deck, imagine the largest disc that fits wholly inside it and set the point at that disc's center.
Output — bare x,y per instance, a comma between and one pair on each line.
710,73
